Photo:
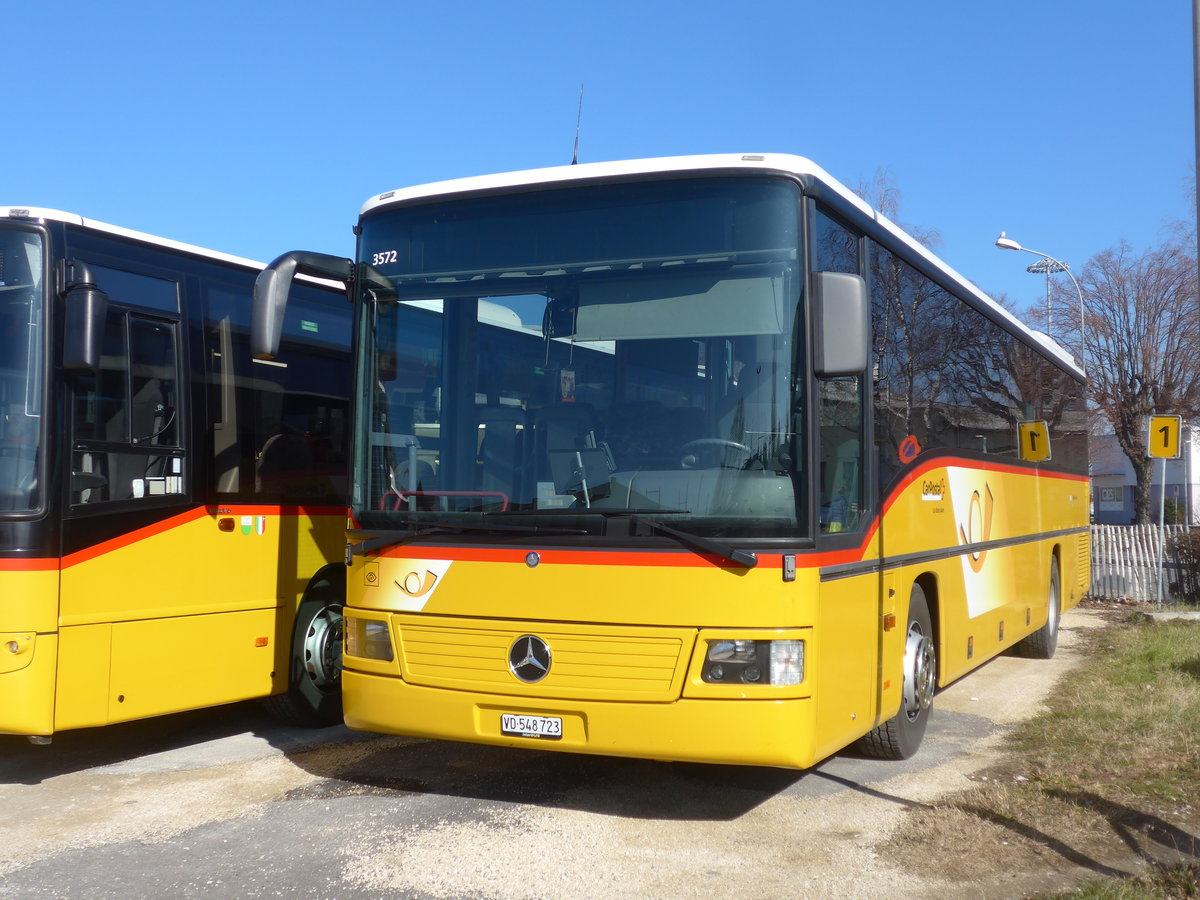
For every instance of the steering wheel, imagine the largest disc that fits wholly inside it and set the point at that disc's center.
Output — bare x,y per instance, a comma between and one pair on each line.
711,452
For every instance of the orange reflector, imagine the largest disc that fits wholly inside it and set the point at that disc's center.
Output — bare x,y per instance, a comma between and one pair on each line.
889,622
260,642
225,524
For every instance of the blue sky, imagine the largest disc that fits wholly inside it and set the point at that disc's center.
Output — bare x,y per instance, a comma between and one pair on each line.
258,127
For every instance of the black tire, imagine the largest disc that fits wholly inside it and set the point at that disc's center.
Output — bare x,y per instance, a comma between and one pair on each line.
900,736
314,695
1043,642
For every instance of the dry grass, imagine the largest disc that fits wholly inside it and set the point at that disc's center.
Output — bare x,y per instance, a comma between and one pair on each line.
1105,782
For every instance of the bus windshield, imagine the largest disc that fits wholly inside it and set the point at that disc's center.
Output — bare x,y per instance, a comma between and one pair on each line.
570,358
22,297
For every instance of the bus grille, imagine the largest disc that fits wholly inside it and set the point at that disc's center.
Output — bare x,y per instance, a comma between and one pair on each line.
587,663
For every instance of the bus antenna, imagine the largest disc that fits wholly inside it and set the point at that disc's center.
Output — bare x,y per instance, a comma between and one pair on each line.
578,120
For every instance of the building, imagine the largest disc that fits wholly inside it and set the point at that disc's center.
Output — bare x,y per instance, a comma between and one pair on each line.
1113,481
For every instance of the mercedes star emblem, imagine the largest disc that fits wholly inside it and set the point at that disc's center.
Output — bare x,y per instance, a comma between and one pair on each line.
529,658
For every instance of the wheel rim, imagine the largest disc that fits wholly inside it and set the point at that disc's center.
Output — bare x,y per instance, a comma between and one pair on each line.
1052,615
323,648
918,671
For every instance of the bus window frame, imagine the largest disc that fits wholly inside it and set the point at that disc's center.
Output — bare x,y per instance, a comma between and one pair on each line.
46,370
184,439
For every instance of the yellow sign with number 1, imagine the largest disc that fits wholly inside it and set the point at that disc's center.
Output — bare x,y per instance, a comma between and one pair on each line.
1035,441
1162,441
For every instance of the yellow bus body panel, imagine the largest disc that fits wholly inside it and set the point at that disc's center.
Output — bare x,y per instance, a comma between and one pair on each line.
989,598
754,732
632,688
980,538
28,646
28,689
130,670
190,566
184,614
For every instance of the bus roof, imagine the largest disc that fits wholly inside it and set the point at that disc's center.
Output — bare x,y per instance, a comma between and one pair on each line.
767,163
38,213
57,215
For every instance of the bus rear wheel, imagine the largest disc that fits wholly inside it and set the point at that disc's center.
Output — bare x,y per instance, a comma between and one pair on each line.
314,694
900,736
1043,642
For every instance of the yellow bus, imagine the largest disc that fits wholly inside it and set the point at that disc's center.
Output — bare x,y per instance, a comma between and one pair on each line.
166,504
751,474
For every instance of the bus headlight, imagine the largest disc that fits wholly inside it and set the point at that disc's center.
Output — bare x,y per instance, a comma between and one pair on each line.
754,662
368,639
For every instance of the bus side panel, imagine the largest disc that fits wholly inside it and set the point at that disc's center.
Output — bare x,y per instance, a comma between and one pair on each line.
130,670
168,665
28,646
994,591
309,541
83,676
185,565
187,602
846,664
1077,568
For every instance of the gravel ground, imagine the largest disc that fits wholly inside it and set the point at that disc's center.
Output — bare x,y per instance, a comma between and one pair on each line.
216,805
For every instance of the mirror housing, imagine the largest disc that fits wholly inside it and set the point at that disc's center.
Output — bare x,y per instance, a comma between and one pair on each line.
841,316
85,308
271,290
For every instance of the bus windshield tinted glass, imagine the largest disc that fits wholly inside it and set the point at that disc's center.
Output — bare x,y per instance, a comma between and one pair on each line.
21,300
567,356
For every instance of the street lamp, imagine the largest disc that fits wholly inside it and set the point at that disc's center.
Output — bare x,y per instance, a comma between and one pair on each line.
1046,265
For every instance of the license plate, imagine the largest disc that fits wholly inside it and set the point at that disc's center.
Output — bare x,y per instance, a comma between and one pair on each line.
546,728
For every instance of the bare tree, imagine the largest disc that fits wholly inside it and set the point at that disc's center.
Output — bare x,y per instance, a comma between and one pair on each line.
1142,344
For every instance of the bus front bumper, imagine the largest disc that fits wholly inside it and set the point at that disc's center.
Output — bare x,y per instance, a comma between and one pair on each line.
734,731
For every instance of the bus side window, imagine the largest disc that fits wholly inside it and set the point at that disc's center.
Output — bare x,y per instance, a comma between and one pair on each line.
125,417
837,248
841,481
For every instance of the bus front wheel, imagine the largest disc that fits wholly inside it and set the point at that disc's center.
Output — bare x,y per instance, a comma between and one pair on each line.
900,736
314,693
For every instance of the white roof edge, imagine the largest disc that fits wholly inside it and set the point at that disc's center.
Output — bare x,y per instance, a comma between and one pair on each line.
766,162
32,213
617,168
57,215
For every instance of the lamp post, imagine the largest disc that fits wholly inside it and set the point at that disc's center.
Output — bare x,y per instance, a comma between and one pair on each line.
1046,265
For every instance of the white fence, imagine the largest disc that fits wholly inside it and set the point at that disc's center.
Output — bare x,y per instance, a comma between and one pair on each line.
1125,562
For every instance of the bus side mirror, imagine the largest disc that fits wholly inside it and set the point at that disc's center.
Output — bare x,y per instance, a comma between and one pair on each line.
85,307
271,294
842,324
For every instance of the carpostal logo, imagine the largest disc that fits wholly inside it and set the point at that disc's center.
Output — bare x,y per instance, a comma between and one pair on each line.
933,490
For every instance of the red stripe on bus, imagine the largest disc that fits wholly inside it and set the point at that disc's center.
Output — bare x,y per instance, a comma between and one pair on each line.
45,564
193,515
806,559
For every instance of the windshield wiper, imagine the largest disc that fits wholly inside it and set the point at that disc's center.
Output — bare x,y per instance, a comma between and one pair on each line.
381,540
743,558
393,538
636,517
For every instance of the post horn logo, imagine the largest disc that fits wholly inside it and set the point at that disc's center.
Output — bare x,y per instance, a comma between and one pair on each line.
416,585
979,514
